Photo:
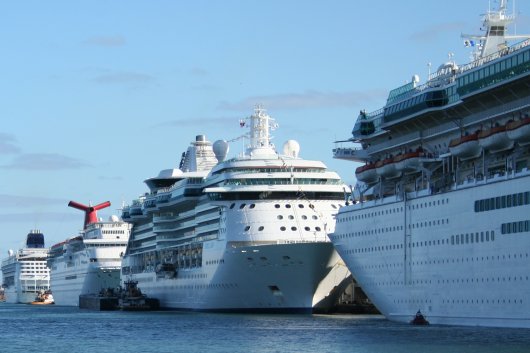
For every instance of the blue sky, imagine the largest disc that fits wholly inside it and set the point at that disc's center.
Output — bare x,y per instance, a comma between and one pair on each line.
96,96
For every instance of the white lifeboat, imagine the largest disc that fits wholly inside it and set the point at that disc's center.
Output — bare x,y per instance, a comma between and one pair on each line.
387,168
465,147
366,173
409,161
519,131
495,139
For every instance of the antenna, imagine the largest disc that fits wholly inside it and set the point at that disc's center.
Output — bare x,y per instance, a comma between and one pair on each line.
91,215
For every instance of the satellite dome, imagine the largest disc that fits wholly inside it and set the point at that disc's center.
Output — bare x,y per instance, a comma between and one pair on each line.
169,173
114,218
220,149
291,148
10,252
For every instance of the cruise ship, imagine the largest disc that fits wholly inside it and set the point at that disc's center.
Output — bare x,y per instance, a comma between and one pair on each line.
243,234
91,261
440,215
25,272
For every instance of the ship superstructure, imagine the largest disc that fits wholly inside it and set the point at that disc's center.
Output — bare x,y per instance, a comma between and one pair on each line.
91,261
25,272
248,233
440,215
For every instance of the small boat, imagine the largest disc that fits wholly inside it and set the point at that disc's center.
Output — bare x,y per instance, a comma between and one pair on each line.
495,139
387,168
466,147
132,299
519,131
43,298
410,161
366,173
419,319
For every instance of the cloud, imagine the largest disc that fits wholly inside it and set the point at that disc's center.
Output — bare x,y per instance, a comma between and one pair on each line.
110,178
43,217
11,201
221,122
45,161
431,33
123,78
7,144
197,71
308,99
108,41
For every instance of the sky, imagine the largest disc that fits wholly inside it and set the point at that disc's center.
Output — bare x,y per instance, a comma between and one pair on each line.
97,96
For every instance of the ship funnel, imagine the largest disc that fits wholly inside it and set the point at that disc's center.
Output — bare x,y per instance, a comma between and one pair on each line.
91,215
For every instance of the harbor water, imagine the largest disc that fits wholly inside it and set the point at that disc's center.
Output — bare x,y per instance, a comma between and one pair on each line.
27,328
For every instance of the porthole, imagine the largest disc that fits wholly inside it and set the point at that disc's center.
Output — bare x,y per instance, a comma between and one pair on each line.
232,205
261,228
317,229
293,228
300,205
252,206
314,217
277,206
304,217
287,206
290,216
282,228
280,216
307,229
247,228
242,206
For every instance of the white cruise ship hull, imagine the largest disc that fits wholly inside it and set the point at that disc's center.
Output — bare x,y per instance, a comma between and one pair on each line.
278,278
72,278
14,296
439,255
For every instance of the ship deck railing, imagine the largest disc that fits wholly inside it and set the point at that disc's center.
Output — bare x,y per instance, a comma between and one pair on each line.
468,182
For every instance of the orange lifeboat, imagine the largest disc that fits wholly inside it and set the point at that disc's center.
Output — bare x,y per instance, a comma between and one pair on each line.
387,168
495,139
519,131
465,147
366,173
409,161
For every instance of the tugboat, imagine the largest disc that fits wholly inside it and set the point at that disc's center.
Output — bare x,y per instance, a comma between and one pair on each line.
43,298
132,299
419,319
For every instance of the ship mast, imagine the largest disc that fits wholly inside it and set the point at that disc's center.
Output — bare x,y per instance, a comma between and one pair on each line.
495,39
260,138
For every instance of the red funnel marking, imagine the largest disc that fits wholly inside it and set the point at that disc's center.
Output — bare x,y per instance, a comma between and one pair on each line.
91,215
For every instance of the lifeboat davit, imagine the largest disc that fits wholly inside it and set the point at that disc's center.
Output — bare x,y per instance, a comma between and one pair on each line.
366,173
387,168
409,161
465,147
519,131
495,139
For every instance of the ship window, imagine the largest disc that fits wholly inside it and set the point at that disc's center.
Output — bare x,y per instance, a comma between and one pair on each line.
304,217
260,228
293,228
307,229
280,216
242,206
232,205
302,206
317,229
287,206
277,206
487,236
282,228
252,206
247,228
314,217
